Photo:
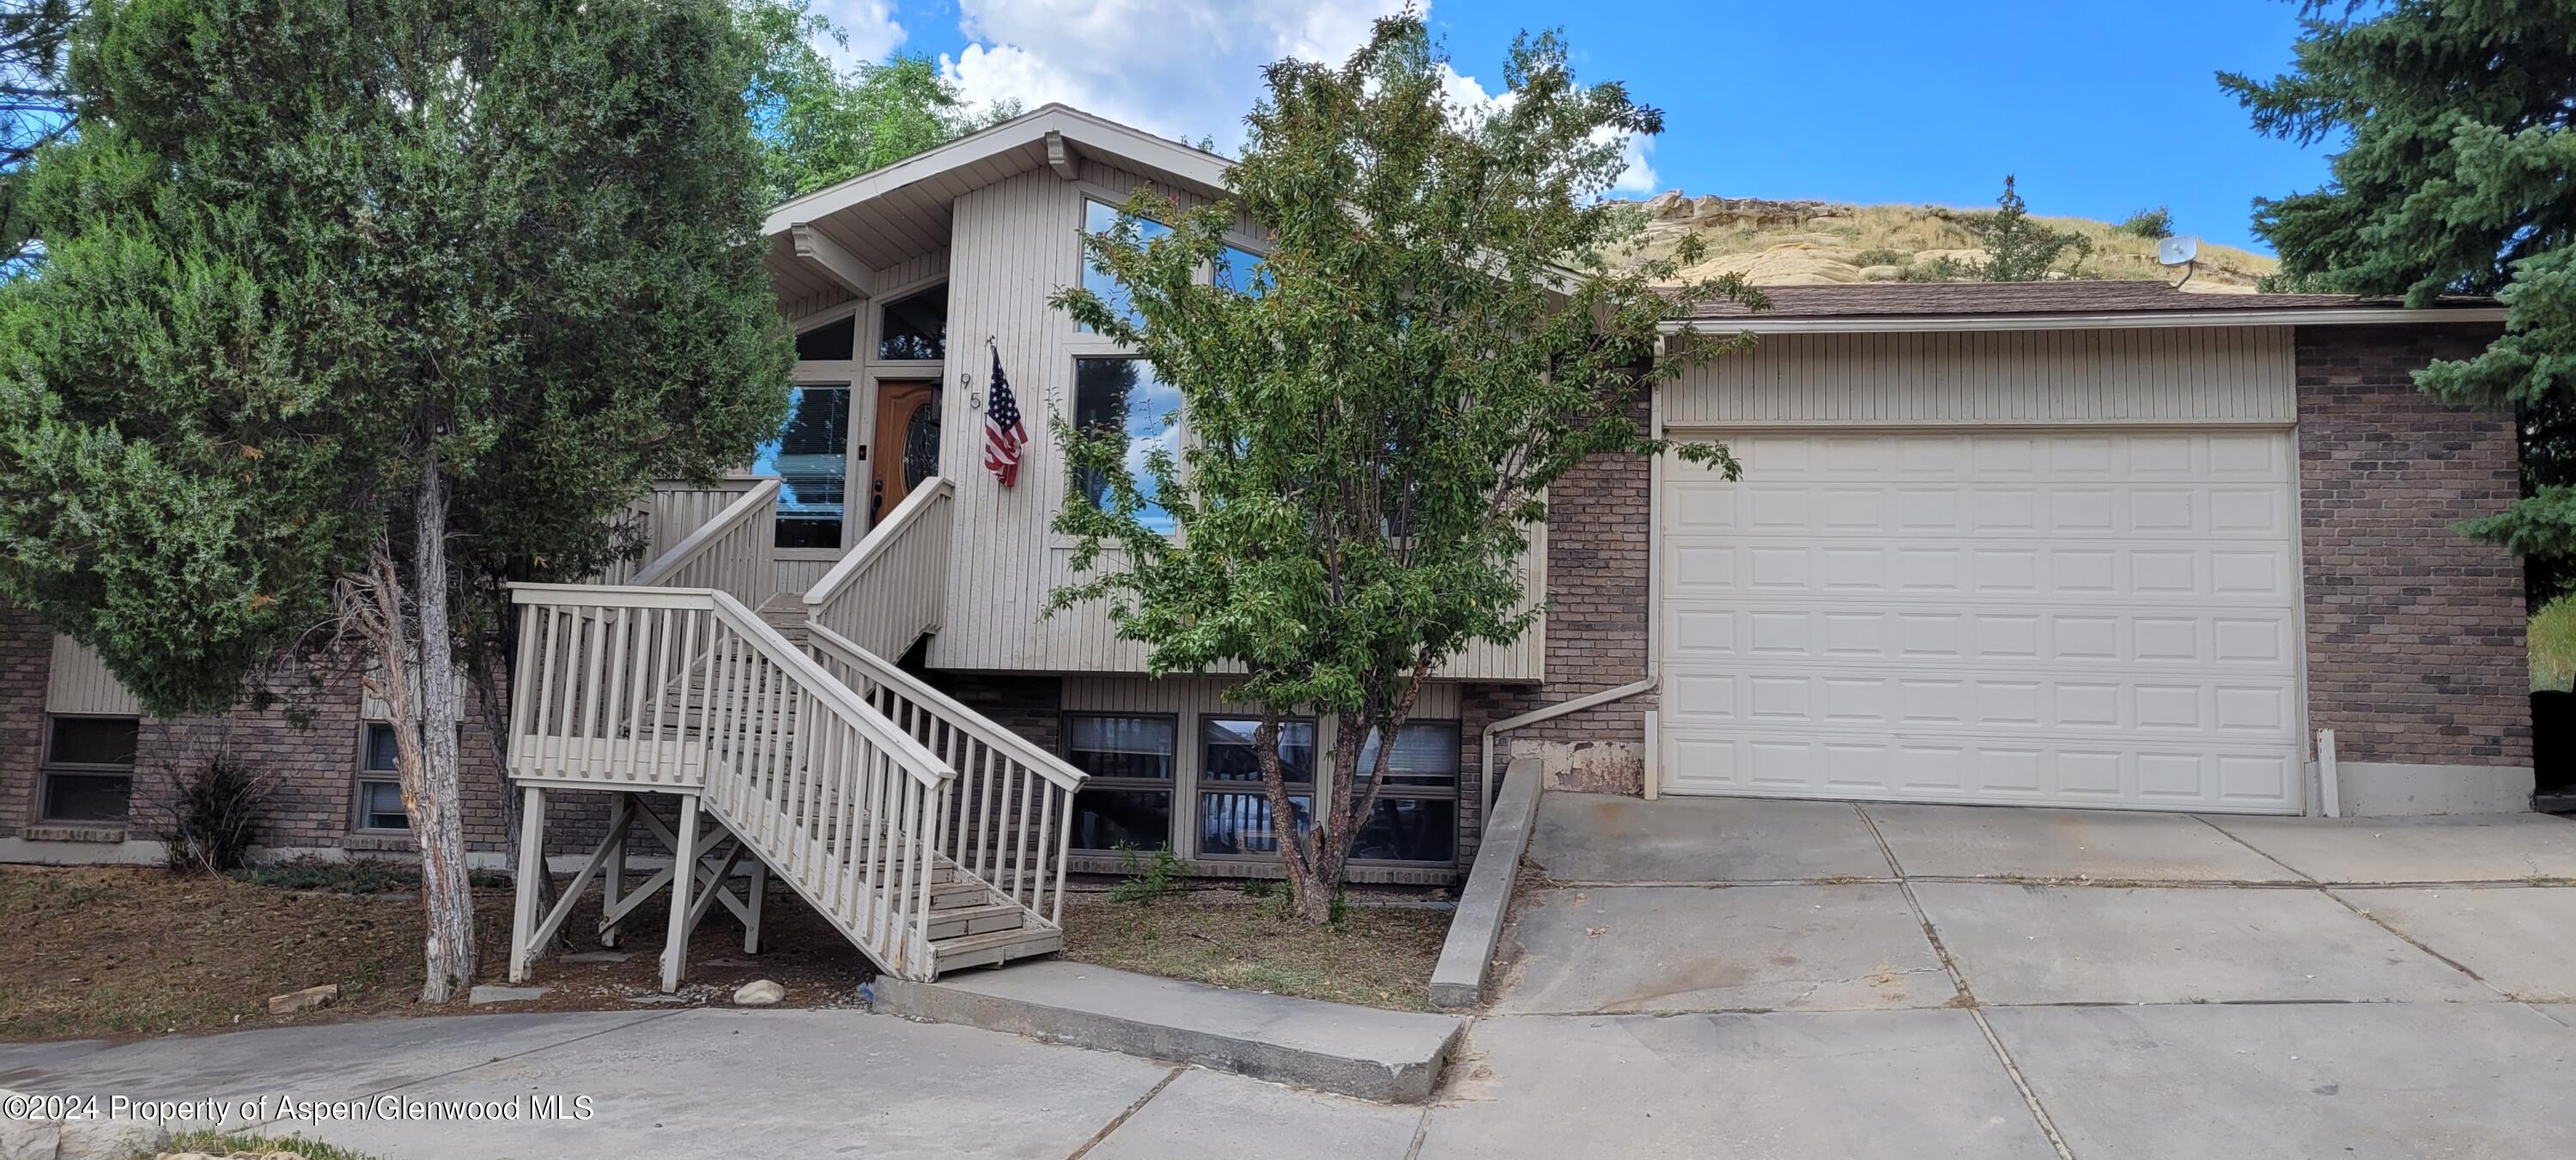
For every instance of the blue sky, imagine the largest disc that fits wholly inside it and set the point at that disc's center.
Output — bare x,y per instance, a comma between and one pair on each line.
2100,109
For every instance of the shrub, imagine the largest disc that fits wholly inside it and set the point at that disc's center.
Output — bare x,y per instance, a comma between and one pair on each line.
219,806
348,875
2151,224
1881,256
1158,877
1942,269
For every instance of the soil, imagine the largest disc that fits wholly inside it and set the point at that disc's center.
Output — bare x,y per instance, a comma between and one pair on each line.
100,952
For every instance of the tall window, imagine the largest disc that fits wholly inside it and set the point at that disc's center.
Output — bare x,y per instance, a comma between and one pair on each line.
915,326
1241,271
1416,817
1128,801
810,457
89,768
380,804
1124,395
1099,218
1234,809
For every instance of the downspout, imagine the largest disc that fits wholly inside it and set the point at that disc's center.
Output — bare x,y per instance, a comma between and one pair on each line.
1654,637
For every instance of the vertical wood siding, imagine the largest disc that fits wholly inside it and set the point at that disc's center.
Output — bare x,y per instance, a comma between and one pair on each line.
78,682
1016,243
2181,375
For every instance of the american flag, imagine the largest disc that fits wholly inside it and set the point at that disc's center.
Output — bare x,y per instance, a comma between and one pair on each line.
1003,434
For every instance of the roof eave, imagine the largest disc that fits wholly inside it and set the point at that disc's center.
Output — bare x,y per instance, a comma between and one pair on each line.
1107,138
2128,320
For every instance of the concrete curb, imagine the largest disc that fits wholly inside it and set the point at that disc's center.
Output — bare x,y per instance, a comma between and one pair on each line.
1459,980
1387,1056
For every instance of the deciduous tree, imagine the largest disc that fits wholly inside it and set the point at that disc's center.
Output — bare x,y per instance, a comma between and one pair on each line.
1371,416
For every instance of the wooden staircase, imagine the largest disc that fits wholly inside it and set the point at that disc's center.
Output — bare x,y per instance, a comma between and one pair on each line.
933,838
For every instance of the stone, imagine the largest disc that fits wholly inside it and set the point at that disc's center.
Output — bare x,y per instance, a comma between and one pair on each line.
494,993
759,993
309,997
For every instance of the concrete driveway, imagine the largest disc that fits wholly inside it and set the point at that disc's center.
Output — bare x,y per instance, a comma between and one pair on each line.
1696,978
1740,977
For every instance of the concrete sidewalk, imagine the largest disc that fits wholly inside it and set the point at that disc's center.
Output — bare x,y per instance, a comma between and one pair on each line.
1705,978
1792,978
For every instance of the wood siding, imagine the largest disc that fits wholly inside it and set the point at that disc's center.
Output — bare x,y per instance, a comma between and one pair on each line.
1016,243
2239,375
77,681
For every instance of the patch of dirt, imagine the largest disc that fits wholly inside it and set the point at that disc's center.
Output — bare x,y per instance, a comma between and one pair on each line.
125,952
1377,956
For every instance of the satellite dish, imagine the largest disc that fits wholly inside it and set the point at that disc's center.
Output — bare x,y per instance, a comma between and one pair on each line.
2179,251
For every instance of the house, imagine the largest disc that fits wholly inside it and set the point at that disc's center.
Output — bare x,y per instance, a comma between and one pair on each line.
2098,544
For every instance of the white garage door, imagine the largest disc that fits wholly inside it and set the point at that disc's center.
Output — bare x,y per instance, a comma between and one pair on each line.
2089,618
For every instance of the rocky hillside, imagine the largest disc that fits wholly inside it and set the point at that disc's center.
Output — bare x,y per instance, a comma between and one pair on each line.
1805,243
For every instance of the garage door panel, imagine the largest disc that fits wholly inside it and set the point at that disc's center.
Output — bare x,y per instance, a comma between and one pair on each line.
1968,700
2059,771
2087,637
2097,618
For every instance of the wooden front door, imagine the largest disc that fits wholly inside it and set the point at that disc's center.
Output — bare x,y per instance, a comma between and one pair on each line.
905,450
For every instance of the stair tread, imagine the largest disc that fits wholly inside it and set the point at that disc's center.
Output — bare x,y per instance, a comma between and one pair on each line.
998,938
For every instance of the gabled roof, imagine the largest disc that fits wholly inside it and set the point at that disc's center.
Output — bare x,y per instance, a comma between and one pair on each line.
1901,306
884,216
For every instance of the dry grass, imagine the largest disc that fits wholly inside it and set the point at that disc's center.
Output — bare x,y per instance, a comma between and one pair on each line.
219,1144
2553,645
1377,956
121,952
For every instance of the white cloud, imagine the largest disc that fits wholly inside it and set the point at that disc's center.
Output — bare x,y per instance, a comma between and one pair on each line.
1637,177
870,26
1180,68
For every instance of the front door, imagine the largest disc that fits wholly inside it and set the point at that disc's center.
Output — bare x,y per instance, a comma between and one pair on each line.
906,448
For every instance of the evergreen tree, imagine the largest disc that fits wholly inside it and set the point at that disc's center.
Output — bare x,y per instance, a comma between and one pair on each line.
1375,410
350,304
2021,249
35,107
2458,176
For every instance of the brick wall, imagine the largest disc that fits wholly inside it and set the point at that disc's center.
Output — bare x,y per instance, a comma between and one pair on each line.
26,652
2415,632
308,758
1598,587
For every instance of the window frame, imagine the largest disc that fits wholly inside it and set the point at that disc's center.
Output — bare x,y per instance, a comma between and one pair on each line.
1170,787
1179,430
366,775
1448,793
48,768
1201,784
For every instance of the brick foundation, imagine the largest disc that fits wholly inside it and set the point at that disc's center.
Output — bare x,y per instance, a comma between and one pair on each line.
2415,633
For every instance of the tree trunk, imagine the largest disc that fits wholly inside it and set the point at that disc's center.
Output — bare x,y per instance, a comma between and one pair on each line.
438,819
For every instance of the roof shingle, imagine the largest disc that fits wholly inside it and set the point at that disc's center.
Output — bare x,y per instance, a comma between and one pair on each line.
1931,299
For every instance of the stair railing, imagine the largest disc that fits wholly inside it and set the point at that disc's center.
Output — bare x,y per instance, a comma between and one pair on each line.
893,587
1014,820
848,806
735,552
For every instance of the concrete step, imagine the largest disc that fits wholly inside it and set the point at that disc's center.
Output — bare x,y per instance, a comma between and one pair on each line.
1388,1056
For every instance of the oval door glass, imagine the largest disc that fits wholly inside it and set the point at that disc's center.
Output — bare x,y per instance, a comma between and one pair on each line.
921,444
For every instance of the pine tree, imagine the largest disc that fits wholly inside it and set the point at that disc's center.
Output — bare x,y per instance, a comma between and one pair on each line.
2458,176
351,305
2019,249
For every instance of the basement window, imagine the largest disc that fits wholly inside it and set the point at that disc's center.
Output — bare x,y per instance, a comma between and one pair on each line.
1235,819
89,768
380,804
1416,815
1128,802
